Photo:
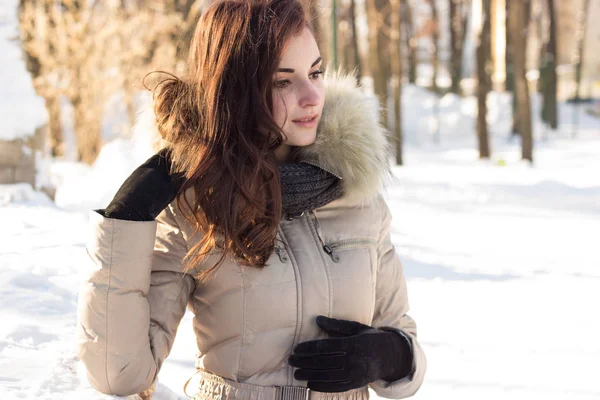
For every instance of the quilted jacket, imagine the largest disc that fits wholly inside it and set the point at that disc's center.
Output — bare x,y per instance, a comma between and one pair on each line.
337,261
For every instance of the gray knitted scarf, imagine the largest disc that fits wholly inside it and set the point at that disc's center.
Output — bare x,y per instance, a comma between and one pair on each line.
305,187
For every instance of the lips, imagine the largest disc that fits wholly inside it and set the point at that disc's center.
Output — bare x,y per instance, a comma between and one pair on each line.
307,118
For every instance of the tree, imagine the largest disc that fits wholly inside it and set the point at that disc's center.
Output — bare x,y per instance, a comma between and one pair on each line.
396,67
89,51
484,79
517,27
458,18
578,58
354,41
548,78
379,58
510,69
435,33
70,39
411,39
34,46
578,50
315,15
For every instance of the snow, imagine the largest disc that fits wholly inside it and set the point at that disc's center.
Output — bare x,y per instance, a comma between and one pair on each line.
21,110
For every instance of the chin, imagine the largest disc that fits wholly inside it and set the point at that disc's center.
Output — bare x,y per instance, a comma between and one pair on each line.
306,140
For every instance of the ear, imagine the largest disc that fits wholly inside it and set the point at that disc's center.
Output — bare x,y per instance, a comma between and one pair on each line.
340,327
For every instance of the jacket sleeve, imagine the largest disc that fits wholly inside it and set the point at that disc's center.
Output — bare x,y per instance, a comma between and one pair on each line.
131,304
391,307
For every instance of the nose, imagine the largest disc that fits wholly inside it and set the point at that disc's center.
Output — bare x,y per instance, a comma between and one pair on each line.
309,96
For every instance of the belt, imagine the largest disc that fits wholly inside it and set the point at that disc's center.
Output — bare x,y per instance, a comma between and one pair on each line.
213,387
292,393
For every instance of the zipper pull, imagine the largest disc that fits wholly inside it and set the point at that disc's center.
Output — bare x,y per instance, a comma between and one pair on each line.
281,254
331,252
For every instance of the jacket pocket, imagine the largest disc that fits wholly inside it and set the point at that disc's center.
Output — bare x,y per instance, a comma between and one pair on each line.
333,249
352,274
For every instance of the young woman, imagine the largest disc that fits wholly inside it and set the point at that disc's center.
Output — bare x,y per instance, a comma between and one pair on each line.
262,213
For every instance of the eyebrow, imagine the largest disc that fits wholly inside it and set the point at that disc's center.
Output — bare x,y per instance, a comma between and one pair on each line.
291,70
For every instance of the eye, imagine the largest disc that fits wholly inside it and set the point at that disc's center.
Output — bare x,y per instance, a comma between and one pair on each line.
281,84
316,74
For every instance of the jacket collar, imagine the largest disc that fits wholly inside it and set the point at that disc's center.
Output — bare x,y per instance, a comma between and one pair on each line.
350,143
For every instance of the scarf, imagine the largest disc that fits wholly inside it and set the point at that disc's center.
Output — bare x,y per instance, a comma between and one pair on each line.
305,187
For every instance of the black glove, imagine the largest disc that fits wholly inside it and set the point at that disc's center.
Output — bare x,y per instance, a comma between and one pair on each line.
147,191
357,355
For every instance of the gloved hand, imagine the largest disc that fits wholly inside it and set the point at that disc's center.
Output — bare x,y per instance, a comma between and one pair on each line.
357,355
147,191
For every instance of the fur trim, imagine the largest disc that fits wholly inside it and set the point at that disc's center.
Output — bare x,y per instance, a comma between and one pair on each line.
350,142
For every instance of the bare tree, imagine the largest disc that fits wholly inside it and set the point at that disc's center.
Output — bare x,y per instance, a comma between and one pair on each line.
67,37
315,12
548,77
396,67
484,79
435,40
509,82
379,58
142,50
354,40
510,69
517,26
578,50
458,17
410,36
88,51
34,46
577,58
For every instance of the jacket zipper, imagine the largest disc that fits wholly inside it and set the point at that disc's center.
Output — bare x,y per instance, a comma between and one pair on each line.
332,248
282,254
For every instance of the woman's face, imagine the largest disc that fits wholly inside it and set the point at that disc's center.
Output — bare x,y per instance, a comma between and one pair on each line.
298,91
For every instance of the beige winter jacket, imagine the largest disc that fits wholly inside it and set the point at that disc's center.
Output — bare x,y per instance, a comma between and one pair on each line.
248,320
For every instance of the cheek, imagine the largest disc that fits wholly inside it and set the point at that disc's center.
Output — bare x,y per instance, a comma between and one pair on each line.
279,109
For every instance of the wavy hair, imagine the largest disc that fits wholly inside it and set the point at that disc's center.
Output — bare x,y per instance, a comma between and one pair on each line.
218,121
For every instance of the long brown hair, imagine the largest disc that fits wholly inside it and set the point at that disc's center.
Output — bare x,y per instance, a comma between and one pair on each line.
219,122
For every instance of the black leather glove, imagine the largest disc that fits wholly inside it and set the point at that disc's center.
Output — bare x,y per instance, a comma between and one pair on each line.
147,191
357,355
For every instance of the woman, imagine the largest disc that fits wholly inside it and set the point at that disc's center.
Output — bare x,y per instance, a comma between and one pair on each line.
262,214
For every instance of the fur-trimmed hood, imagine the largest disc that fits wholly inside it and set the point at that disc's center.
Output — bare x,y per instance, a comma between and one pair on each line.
350,143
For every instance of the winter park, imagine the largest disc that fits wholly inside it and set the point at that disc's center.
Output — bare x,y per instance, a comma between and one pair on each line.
491,116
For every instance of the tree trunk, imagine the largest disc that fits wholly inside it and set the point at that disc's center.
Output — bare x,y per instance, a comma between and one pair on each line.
315,17
50,95
434,39
517,27
411,40
465,25
87,131
377,58
354,39
510,75
456,45
396,67
484,79
509,83
55,133
548,78
581,36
